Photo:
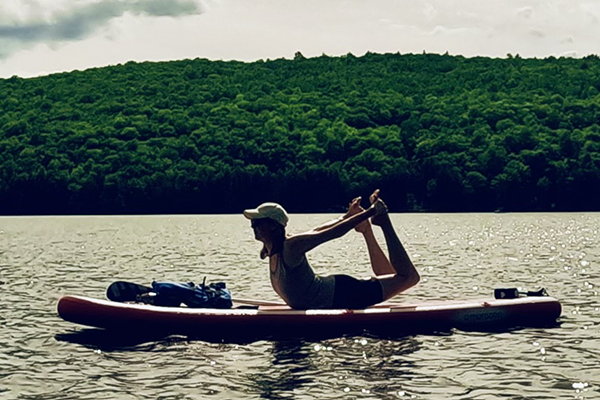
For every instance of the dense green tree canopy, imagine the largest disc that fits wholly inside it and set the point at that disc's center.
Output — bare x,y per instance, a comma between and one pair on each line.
434,132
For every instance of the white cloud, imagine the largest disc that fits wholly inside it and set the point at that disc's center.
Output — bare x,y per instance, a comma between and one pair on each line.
525,12
53,38
33,23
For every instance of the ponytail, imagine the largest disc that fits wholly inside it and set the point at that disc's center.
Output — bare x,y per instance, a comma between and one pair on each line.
278,239
264,253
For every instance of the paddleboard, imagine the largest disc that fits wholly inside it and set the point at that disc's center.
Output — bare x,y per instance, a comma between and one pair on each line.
282,321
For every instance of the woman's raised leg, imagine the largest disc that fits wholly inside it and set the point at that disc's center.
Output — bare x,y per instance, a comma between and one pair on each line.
405,274
379,262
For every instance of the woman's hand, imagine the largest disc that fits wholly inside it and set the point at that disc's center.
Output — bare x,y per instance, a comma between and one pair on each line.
355,208
380,207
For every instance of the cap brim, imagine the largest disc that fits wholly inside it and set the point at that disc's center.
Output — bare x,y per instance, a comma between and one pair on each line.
252,214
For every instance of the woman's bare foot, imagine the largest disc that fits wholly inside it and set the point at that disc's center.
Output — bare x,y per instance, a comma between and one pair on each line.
355,208
373,197
381,215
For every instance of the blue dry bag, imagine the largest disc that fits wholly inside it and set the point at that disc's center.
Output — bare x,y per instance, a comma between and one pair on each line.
172,294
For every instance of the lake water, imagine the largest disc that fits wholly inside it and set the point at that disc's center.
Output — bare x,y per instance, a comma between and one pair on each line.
458,255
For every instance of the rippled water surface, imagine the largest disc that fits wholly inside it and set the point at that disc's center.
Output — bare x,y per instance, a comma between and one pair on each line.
459,256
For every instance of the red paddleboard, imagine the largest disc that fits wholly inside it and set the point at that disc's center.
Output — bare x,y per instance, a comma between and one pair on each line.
281,321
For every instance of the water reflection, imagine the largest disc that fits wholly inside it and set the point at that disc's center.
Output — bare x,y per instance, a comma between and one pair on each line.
290,369
361,364
350,363
105,340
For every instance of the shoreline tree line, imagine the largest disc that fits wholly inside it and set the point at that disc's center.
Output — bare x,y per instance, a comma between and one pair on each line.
434,132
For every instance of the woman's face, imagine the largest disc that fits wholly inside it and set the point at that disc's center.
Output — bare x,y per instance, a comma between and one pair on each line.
262,228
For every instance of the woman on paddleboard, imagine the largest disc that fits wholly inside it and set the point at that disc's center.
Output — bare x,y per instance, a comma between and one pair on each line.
296,283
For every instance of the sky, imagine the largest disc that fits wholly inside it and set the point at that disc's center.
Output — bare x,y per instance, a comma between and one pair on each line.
39,37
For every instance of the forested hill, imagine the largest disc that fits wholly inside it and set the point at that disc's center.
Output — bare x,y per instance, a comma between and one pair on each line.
438,133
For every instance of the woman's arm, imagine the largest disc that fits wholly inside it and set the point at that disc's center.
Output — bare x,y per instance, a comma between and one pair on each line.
296,246
328,224
332,223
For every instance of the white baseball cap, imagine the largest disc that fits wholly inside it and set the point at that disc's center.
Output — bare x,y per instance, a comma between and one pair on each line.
268,210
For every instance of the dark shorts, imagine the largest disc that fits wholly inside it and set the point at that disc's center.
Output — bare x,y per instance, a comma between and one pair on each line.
356,293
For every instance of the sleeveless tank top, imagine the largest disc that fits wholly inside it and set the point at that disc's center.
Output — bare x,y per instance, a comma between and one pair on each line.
300,287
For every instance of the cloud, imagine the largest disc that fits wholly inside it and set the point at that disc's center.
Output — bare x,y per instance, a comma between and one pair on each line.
537,33
525,12
47,36
78,23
